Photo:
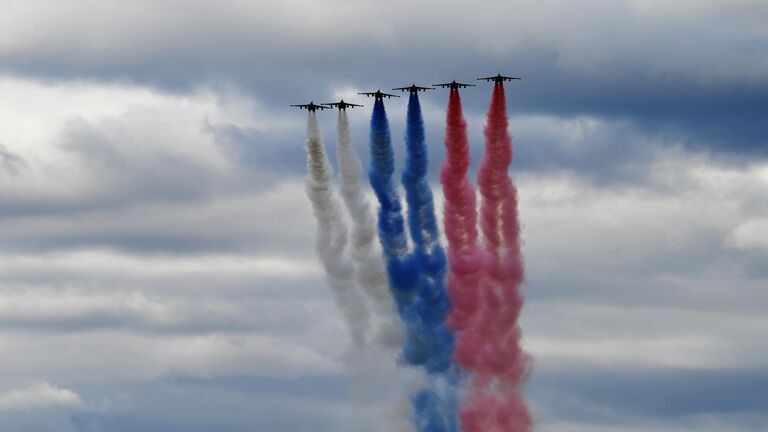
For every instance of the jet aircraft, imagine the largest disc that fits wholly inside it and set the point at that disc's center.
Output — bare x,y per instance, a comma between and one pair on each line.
413,88
499,78
453,85
378,94
311,107
342,105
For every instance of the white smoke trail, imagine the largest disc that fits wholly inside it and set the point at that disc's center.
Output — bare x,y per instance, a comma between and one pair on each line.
332,238
373,280
371,273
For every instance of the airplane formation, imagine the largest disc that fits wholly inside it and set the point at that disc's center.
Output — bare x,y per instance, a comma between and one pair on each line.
413,88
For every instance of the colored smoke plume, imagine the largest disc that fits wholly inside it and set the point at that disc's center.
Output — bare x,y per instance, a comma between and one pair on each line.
493,352
484,282
431,304
402,269
371,274
460,221
332,238
416,277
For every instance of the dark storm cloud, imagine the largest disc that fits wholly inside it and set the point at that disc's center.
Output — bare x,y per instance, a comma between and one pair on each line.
109,151
268,152
221,404
188,320
139,159
311,386
609,396
9,161
616,247
724,115
193,226
619,71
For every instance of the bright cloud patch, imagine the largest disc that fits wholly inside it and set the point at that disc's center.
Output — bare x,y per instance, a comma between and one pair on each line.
156,253
39,395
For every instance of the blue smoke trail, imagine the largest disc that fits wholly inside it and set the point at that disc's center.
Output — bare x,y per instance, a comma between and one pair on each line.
432,303
402,269
416,279
435,406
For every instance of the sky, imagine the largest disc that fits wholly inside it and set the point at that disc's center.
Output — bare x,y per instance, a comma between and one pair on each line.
157,267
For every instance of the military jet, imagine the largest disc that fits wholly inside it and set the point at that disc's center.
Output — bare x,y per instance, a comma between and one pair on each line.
453,85
377,94
342,105
311,107
499,78
413,89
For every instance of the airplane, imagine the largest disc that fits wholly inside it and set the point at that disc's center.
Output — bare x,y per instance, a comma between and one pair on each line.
342,105
413,88
453,85
311,107
499,78
378,94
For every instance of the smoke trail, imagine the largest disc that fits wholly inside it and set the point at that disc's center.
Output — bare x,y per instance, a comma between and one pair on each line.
402,269
431,304
435,405
460,220
332,237
411,276
492,351
371,274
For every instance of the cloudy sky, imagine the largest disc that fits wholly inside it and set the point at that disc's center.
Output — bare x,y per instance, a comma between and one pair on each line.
156,245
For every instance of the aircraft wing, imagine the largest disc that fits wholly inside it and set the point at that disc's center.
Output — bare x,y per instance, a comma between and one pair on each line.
310,106
450,84
379,93
413,88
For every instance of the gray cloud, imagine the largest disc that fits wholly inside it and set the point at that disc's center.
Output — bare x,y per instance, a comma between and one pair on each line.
155,240
625,400
10,162
630,60
167,405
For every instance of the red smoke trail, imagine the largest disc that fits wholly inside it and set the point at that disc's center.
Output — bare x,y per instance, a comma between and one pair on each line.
487,312
460,219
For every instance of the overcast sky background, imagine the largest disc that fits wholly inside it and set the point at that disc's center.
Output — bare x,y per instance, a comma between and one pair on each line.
156,246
